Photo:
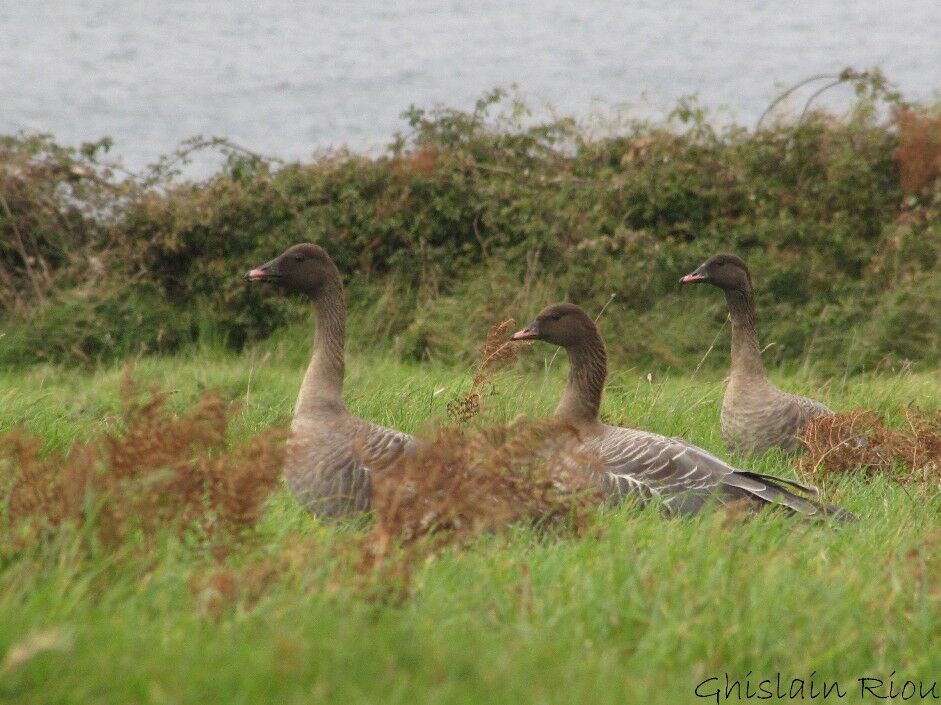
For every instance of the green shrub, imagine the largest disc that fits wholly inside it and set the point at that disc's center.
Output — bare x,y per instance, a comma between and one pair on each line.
472,217
91,327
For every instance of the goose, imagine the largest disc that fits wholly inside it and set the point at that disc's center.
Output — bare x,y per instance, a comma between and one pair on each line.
682,476
324,464
756,415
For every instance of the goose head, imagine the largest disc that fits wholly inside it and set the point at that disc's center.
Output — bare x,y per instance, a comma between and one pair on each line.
560,324
301,269
726,271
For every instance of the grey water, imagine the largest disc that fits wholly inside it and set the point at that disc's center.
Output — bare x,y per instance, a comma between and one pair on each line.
289,78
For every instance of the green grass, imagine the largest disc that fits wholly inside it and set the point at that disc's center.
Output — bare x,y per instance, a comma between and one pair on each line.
639,610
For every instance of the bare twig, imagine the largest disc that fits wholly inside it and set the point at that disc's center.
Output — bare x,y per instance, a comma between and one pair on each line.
783,96
21,248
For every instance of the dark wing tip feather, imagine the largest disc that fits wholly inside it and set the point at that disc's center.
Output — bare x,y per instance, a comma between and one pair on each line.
772,479
768,489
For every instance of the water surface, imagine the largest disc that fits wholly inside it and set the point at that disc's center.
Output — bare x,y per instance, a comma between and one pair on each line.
287,78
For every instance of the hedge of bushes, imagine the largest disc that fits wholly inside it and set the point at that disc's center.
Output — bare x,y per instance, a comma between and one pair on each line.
471,216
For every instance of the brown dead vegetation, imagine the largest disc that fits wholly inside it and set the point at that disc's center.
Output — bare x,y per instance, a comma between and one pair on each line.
918,154
156,470
462,483
466,482
497,353
860,441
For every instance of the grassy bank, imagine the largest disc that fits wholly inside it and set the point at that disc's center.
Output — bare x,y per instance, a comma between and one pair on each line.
639,609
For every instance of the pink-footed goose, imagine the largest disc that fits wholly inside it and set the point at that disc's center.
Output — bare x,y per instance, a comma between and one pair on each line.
324,467
684,477
756,415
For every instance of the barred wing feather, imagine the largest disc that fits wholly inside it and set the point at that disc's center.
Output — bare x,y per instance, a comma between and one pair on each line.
685,477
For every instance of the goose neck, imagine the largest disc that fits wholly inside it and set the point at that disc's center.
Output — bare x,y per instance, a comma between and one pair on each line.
588,368
323,381
746,354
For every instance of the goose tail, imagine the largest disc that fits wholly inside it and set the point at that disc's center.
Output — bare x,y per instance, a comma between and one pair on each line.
775,490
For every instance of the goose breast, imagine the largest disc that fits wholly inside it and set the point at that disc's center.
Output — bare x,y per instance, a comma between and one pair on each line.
769,418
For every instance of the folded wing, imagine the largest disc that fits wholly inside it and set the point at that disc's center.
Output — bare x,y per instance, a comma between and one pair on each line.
685,477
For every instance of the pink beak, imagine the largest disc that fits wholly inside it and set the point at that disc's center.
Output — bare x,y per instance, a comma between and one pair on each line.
257,274
692,278
528,333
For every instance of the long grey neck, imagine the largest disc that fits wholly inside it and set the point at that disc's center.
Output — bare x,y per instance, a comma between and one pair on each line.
746,355
323,381
588,368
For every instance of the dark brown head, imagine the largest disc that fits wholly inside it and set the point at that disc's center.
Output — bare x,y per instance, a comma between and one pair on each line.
726,271
561,324
302,269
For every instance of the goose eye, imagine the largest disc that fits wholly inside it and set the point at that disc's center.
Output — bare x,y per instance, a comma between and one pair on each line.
555,316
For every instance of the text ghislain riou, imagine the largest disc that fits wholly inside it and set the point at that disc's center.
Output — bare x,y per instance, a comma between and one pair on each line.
725,688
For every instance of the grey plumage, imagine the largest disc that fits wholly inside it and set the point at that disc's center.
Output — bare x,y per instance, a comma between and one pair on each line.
685,478
330,453
756,415
330,459
681,476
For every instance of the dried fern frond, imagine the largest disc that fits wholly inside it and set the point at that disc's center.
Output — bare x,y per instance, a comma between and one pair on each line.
496,354
156,470
465,482
860,441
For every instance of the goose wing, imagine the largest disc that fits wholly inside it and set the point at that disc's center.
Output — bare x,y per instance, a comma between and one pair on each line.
810,407
651,465
328,464
379,446
684,476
